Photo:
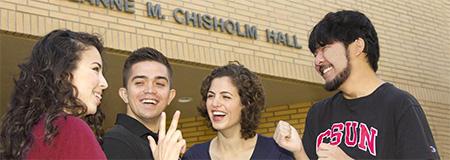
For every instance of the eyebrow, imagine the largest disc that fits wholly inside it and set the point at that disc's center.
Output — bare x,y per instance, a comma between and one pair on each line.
145,77
138,76
100,65
226,92
223,92
162,77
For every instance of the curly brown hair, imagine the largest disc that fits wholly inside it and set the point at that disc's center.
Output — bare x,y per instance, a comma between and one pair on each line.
250,91
44,89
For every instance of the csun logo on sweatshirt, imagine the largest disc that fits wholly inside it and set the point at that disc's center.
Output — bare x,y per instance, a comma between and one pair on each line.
364,138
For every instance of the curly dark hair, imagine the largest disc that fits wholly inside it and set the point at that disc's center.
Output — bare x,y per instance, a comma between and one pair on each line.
44,89
250,91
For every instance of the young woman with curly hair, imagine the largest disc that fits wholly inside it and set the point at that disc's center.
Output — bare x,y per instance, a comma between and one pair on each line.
60,83
232,104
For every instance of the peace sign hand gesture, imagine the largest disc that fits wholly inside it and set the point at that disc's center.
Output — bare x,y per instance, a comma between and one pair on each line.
170,144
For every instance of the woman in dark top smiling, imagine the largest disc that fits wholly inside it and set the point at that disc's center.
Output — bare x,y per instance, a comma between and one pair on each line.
232,104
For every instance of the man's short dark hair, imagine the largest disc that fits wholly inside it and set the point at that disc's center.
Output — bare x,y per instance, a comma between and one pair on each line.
145,54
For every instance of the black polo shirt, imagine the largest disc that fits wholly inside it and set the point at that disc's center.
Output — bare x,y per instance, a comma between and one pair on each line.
128,139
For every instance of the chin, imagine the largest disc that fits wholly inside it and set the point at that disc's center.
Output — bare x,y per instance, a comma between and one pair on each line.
91,111
217,127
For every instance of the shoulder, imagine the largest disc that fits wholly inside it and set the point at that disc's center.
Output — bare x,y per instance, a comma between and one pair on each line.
120,143
198,151
395,97
266,142
391,90
201,147
117,130
323,104
267,148
72,126
328,100
75,139
264,139
70,120
119,137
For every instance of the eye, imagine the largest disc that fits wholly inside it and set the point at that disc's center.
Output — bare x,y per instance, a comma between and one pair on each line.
161,84
96,69
138,83
318,50
209,95
226,97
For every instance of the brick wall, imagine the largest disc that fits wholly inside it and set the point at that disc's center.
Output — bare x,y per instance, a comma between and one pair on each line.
407,31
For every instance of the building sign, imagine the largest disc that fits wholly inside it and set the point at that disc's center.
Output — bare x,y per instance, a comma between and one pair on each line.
202,21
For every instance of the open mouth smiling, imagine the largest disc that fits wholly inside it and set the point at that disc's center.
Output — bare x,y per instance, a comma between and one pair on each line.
149,101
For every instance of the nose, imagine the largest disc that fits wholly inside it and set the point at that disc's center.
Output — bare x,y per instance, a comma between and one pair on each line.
149,89
318,60
215,102
103,82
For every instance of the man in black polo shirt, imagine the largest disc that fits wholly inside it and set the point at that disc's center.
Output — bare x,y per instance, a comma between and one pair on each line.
147,81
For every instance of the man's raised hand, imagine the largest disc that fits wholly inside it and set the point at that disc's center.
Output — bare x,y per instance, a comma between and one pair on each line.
171,144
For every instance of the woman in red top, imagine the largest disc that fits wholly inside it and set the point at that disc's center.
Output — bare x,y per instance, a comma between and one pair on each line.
60,83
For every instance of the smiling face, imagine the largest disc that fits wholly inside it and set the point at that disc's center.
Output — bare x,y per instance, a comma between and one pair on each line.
224,104
332,63
148,91
89,80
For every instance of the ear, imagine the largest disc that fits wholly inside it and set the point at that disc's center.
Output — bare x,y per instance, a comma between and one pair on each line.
123,93
172,94
360,44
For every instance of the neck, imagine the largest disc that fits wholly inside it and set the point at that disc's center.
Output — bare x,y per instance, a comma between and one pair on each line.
360,83
231,140
152,124
229,145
